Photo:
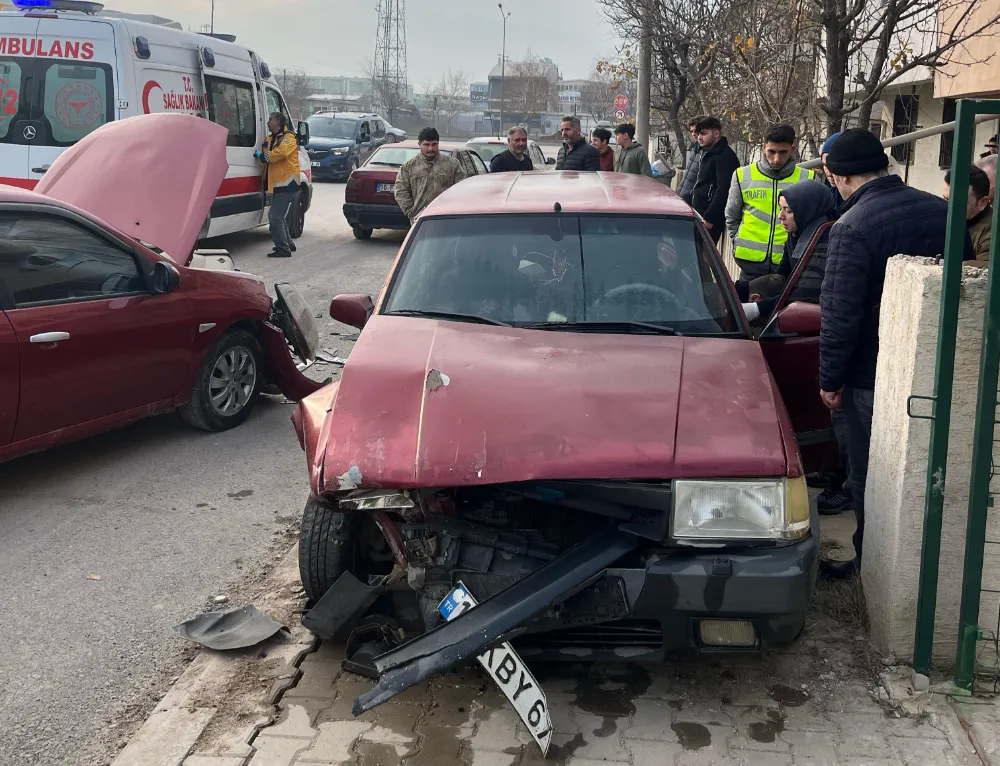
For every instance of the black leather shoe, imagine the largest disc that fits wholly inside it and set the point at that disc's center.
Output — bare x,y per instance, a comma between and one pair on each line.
839,570
280,254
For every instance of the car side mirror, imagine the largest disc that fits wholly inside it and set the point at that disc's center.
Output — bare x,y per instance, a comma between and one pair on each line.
302,132
550,161
165,279
352,310
796,319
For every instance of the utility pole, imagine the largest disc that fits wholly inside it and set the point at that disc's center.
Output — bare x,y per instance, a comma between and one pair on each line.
212,25
503,63
642,96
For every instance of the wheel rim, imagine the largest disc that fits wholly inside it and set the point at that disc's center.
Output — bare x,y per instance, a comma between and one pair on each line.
301,210
232,382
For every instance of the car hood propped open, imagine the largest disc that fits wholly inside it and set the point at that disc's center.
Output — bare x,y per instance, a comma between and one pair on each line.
153,177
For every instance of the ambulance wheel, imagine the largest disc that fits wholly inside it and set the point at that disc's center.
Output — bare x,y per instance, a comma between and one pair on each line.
297,217
360,233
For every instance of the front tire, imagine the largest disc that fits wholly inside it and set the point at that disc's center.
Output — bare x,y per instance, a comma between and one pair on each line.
228,383
297,216
360,233
327,546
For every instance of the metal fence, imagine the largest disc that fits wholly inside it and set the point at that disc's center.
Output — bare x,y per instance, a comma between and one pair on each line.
978,654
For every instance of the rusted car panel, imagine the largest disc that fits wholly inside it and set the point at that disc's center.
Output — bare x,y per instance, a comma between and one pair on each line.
426,404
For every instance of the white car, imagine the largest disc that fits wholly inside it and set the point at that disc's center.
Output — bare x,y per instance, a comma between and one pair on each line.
488,148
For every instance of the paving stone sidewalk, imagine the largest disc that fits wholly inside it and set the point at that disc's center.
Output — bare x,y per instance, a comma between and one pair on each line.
810,704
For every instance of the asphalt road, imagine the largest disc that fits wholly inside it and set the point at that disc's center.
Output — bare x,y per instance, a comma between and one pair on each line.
166,517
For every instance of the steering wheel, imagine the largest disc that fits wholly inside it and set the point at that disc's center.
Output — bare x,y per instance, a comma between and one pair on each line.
642,293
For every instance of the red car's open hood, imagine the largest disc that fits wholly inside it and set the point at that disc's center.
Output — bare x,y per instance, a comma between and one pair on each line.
153,177
424,403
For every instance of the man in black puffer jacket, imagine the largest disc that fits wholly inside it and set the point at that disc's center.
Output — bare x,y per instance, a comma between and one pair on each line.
576,153
881,217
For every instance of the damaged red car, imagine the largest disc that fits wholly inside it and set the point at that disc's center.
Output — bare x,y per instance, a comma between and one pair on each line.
99,328
557,413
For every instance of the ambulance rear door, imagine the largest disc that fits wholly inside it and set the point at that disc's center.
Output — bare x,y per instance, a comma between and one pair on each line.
16,130
74,86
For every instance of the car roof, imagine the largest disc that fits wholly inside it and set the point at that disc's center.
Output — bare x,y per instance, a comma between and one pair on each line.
345,115
493,141
538,192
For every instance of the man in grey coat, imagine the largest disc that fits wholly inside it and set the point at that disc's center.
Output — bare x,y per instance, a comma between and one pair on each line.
632,157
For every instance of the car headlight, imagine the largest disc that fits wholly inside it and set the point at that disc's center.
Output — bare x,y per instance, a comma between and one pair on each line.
760,509
339,152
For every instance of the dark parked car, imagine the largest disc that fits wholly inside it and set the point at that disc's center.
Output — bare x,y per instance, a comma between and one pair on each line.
557,406
369,203
99,328
340,142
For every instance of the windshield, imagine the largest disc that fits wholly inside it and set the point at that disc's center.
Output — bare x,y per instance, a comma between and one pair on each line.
395,156
559,270
331,127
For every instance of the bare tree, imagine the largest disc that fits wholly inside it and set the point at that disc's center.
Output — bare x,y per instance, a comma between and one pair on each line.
868,46
388,93
529,86
598,96
450,96
295,88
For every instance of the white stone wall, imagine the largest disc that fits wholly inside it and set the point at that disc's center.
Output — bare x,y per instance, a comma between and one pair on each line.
898,463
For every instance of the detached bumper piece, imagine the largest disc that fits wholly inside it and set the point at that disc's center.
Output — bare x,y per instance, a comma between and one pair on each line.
473,633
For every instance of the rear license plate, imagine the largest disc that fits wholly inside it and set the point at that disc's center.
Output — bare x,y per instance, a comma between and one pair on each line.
391,188
315,164
509,672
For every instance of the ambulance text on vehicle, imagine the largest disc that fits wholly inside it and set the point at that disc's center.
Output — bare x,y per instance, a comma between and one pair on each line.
67,67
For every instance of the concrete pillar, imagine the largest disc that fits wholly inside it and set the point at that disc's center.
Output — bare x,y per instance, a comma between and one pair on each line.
898,460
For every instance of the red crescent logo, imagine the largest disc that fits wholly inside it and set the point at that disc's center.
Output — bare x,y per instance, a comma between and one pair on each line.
145,95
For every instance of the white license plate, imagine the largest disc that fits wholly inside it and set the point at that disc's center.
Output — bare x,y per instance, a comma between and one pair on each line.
391,188
509,672
315,164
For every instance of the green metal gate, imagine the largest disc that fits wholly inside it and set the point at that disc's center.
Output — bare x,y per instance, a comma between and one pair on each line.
978,655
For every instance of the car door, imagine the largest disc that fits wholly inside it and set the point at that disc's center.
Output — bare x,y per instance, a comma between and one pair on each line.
241,200
790,343
92,341
17,87
378,134
465,160
480,166
10,375
365,143
74,84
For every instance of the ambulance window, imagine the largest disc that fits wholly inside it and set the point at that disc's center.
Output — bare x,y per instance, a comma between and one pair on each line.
76,101
10,95
276,104
231,105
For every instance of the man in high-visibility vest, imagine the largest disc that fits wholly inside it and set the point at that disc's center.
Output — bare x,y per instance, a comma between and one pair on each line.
752,209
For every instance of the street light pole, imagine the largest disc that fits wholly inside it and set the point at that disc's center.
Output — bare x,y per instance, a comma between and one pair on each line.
503,63
212,27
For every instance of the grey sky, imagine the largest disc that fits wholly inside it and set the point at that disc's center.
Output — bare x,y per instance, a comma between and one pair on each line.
334,37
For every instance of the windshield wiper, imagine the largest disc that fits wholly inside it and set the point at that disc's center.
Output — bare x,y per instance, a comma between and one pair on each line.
386,164
446,315
603,325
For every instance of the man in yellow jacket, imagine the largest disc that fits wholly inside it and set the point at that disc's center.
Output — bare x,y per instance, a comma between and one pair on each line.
280,155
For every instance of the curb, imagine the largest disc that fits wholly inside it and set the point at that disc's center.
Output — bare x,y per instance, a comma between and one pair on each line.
223,699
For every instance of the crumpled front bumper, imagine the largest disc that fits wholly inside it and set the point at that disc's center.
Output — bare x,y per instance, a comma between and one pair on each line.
770,587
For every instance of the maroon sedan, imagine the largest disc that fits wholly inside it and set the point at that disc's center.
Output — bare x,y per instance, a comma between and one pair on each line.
99,328
369,201
557,408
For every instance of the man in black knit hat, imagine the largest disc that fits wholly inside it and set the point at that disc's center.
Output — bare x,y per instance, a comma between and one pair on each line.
881,217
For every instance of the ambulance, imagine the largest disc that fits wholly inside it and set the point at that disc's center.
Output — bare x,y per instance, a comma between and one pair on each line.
66,69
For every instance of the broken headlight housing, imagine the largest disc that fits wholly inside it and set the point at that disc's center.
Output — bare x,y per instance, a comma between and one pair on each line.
378,500
756,509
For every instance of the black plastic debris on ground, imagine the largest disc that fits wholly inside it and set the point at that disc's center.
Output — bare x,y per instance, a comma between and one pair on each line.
232,629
